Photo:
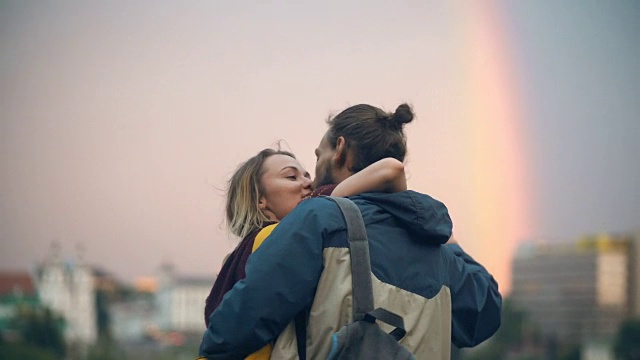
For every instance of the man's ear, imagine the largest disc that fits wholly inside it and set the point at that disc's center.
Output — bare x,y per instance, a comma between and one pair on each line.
340,155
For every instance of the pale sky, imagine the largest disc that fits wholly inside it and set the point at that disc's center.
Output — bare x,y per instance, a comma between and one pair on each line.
120,121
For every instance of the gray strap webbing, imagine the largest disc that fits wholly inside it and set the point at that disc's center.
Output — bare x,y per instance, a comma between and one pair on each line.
359,252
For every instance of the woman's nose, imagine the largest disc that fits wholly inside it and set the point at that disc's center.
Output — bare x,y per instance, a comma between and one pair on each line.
307,182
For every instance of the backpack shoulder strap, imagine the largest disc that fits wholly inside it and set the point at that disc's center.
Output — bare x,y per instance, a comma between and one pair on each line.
360,270
359,252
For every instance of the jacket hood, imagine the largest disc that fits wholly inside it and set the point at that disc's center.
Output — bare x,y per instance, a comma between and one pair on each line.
426,218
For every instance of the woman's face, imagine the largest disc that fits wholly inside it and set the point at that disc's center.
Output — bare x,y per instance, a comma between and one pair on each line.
284,183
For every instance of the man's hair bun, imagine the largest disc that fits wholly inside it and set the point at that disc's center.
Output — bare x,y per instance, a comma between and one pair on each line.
403,115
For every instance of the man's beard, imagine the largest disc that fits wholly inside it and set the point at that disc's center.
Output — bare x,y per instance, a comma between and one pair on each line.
327,176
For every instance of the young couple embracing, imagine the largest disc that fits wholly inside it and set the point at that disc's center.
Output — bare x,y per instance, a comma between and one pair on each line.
294,255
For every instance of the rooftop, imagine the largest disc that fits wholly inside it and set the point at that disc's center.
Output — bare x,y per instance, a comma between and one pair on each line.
12,282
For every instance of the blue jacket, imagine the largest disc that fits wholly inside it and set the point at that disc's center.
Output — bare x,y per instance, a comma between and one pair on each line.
442,293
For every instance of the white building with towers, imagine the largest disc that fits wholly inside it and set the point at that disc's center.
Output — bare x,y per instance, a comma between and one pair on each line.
67,287
180,301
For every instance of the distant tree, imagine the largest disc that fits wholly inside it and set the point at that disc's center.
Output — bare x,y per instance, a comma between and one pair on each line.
627,342
105,349
41,329
16,351
571,353
102,314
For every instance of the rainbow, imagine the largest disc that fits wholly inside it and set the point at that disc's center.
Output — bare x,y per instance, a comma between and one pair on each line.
501,191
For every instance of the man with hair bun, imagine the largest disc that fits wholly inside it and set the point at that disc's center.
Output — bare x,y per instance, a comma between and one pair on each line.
302,270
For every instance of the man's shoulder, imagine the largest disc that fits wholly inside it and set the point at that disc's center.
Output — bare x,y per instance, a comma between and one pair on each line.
315,210
321,206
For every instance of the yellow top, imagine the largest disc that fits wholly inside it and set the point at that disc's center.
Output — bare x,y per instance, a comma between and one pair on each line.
265,352
266,231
